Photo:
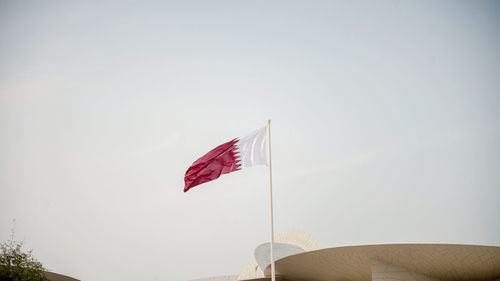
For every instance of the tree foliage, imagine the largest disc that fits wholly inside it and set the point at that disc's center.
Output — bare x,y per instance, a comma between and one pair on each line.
18,265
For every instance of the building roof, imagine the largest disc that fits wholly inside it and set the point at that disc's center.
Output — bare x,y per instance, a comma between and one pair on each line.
58,277
445,262
299,238
396,262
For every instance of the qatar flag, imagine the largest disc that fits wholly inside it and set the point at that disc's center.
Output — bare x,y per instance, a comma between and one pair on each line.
234,155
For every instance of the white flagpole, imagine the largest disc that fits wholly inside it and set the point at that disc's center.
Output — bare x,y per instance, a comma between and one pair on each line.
273,278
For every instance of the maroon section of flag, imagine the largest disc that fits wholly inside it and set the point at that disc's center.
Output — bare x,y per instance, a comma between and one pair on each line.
242,152
221,160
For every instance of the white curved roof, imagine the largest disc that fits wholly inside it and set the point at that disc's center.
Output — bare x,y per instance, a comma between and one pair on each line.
297,238
445,262
262,253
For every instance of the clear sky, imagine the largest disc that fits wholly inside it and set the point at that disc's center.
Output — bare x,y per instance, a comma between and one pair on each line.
386,128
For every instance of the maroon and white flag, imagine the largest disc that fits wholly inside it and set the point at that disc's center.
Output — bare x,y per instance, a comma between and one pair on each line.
234,155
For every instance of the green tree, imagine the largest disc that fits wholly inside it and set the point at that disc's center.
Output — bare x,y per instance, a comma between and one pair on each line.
18,265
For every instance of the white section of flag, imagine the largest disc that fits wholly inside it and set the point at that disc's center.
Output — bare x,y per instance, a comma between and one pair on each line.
252,148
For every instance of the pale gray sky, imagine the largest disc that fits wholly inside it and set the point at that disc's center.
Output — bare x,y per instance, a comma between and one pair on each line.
386,128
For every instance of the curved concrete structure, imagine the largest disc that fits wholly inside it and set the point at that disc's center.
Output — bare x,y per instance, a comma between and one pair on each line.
408,262
299,238
298,259
58,277
262,253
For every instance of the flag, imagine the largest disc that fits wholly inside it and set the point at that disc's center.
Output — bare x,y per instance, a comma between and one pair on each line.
234,155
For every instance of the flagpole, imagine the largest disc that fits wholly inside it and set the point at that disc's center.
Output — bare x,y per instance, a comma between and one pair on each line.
273,278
